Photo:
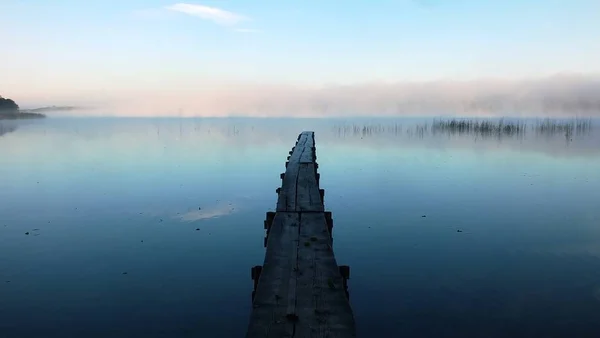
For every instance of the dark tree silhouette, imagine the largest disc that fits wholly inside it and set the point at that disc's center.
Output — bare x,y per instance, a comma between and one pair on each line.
8,106
9,110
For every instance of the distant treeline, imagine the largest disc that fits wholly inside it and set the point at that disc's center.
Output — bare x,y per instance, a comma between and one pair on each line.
9,109
8,105
50,108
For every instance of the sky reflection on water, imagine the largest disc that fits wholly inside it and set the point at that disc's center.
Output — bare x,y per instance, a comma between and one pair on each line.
117,204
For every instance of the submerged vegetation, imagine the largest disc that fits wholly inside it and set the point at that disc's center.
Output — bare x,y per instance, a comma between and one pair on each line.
486,127
508,128
479,127
577,126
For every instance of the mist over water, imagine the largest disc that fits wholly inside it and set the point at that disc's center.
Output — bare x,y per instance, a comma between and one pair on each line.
560,95
127,227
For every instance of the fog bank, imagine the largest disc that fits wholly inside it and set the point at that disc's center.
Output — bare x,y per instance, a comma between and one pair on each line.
555,96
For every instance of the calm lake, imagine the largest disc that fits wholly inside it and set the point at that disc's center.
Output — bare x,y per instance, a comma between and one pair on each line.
149,227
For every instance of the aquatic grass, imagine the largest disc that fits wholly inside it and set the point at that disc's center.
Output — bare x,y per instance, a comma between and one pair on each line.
484,127
474,126
367,129
568,127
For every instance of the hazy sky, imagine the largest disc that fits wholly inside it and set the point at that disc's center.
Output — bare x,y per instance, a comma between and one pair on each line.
72,48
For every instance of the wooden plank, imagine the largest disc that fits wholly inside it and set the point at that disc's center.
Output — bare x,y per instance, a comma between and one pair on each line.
308,197
308,153
270,305
297,191
300,292
286,200
300,147
321,303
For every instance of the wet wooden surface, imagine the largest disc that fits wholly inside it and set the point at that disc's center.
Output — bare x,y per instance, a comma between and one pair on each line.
300,290
300,190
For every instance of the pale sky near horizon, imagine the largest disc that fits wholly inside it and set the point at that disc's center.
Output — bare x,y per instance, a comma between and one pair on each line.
69,47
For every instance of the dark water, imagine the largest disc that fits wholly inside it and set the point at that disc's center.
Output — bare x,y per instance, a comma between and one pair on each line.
112,211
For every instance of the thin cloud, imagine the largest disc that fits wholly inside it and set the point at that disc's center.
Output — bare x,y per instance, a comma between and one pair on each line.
247,30
216,15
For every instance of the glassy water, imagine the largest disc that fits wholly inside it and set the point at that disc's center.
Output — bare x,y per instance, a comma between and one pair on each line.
149,227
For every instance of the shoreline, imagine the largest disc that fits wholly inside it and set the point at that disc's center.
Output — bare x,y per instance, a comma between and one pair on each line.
21,116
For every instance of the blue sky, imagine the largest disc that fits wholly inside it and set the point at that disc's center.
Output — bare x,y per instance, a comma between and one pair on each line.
67,46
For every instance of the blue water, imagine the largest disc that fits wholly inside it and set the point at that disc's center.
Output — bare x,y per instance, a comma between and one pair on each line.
149,227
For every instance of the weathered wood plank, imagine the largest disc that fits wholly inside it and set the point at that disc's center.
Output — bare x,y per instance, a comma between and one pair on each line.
308,153
300,291
303,140
286,200
297,191
304,151
308,197
270,305
321,303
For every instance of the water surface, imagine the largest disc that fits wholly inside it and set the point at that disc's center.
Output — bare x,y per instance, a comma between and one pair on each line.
149,227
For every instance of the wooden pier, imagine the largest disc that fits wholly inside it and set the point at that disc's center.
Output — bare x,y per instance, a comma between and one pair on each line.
300,291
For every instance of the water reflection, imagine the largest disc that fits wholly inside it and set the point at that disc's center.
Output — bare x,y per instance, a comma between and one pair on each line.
109,196
239,133
7,127
523,136
207,213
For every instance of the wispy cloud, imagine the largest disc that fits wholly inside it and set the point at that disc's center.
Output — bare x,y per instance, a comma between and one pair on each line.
217,15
